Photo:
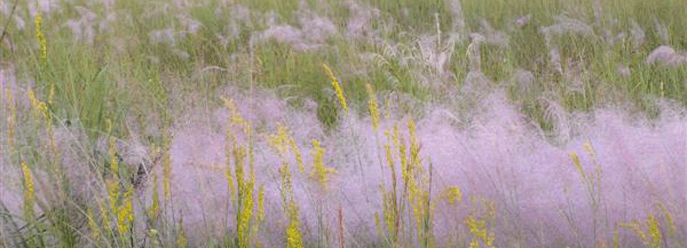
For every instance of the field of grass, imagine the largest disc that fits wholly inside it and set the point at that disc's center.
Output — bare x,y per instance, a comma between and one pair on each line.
361,123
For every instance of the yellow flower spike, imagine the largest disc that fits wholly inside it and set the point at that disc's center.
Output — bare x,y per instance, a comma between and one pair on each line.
52,94
44,109
280,142
387,114
125,213
260,216
114,161
589,149
654,232
389,156
34,103
293,234
29,192
39,35
236,117
261,203
337,88
113,193
320,170
414,146
373,107
297,153
396,137
578,165
453,195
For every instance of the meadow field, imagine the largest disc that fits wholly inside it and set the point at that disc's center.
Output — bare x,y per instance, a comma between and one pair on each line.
343,123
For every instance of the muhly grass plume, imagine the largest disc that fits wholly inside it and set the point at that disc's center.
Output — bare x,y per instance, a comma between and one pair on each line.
537,193
498,162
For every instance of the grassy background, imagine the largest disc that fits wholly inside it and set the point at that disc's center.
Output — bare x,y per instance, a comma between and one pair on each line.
114,75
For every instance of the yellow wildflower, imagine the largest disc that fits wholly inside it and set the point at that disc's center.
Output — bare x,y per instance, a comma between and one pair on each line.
34,103
578,165
337,87
29,192
297,153
293,234
236,117
654,232
373,107
40,37
453,195
320,170
125,213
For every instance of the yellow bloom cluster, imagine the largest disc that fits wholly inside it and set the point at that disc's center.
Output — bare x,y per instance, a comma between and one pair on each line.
320,170
247,223
373,107
125,212
293,234
29,193
478,226
453,195
337,88
42,42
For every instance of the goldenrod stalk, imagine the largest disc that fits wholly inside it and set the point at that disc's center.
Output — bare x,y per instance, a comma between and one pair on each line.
320,169
452,195
280,143
34,103
243,197
337,88
293,234
297,153
29,193
654,232
373,107
391,211
42,42
125,212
